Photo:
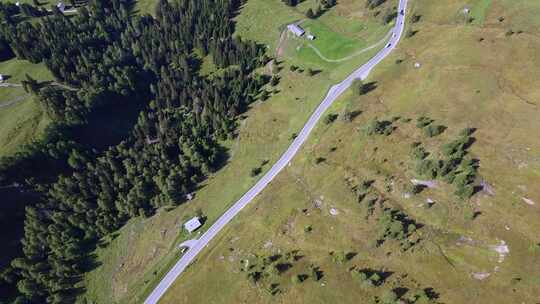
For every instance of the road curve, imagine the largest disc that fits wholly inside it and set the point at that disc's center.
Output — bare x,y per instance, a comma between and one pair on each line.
334,92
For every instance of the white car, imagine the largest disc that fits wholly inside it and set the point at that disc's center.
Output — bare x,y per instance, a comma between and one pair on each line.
388,45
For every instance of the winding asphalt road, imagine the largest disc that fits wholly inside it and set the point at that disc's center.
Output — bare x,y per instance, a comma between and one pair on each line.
334,92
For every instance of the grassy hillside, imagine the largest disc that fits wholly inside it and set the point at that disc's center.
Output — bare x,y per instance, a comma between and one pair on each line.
131,264
21,119
145,6
480,74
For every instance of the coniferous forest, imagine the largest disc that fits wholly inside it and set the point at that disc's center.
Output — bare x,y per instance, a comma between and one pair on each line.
134,127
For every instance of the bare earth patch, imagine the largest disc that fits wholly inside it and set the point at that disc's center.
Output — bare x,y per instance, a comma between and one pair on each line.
528,201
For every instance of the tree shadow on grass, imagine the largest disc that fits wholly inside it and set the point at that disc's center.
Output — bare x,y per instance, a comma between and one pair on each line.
368,87
400,291
355,114
90,262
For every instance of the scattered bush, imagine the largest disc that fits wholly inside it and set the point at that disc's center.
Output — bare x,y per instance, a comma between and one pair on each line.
328,3
341,257
466,132
465,191
423,121
264,95
338,257
254,277
455,168
410,33
406,120
469,214
316,273
427,168
310,14
457,146
347,116
434,130
363,189
371,4
359,87
368,278
290,2
413,188
362,277
418,151
389,297
395,225
389,17
274,81
423,296
383,127
255,171
319,160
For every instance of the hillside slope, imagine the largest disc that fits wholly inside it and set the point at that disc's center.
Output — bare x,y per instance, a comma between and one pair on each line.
145,249
345,206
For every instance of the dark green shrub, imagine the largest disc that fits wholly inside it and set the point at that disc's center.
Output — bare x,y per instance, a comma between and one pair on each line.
423,121
382,127
432,130
456,146
310,14
419,152
264,95
389,297
464,192
427,168
339,257
316,273
299,278
330,118
274,81
466,132
255,171
413,188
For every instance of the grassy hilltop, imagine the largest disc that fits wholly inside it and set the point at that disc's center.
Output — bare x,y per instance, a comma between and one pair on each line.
344,223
